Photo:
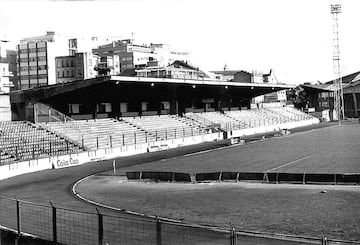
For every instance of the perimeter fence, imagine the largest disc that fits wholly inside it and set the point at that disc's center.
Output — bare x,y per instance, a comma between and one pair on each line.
69,226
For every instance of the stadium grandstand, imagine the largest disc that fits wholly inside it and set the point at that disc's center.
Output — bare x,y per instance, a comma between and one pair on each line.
118,111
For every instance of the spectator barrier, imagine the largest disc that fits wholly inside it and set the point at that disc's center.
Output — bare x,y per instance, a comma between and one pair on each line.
269,177
30,223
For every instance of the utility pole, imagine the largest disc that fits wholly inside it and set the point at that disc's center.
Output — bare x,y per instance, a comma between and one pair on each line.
338,93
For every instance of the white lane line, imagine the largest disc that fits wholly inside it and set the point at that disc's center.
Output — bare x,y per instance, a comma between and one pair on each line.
286,164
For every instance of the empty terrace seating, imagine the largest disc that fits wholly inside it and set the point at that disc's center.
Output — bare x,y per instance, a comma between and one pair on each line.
24,140
291,113
240,119
167,126
101,133
217,118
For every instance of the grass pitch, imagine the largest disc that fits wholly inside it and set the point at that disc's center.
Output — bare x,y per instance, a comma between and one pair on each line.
290,209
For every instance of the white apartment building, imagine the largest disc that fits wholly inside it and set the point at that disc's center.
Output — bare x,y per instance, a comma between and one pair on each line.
36,59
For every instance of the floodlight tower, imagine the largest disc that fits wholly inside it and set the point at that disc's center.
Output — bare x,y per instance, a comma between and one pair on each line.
338,96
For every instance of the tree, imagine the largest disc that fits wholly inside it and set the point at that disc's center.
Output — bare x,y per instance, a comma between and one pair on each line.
299,97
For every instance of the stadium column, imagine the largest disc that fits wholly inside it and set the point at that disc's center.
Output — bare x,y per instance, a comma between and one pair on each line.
174,103
356,114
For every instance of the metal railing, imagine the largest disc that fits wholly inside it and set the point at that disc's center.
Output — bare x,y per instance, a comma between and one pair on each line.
68,226
64,225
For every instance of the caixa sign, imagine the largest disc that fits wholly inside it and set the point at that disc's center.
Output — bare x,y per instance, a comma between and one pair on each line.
65,162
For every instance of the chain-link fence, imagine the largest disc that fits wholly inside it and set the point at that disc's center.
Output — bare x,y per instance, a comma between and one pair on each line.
69,226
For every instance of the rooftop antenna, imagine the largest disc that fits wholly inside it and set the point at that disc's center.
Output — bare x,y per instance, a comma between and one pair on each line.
225,67
339,95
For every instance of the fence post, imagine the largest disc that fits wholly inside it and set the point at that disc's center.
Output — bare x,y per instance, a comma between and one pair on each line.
82,143
110,138
232,235
323,239
18,218
135,138
97,142
100,227
54,227
50,148
166,134
158,232
123,136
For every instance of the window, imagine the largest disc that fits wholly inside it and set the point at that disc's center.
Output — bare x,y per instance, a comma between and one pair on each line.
63,73
42,76
144,106
42,58
123,107
74,108
58,74
165,105
23,51
67,63
71,63
72,73
62,63
59,64
67,73
104,107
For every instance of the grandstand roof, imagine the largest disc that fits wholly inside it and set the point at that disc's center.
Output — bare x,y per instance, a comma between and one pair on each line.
353,77
37,94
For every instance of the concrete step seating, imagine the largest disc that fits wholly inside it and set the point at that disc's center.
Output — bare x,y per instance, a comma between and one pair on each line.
101,133
241,119
167,126
24,140
223,120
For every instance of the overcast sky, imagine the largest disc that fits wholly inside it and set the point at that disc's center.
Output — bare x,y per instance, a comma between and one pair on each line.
292,37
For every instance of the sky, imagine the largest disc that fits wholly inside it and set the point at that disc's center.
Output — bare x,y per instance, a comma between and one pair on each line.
294,38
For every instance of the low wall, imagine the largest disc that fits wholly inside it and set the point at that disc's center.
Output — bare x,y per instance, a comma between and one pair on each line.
297,178
18,168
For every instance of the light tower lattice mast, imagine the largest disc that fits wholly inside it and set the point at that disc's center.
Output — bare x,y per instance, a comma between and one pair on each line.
338,94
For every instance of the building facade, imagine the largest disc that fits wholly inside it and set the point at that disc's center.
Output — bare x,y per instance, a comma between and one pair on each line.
79,66
5,84
36,59
138,56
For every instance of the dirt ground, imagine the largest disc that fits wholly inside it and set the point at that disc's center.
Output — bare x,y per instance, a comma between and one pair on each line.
284,208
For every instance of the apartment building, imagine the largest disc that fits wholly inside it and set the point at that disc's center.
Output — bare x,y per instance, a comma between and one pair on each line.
75,67
36,59
138,56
